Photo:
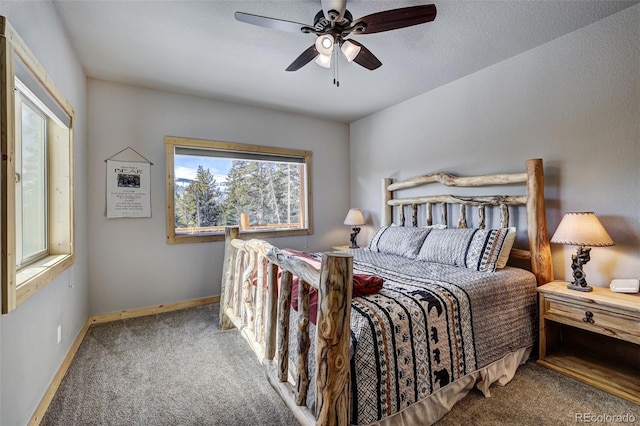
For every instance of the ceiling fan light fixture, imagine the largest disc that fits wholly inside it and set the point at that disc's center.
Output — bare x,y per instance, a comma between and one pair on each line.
324,44
350,50
334,23
324,60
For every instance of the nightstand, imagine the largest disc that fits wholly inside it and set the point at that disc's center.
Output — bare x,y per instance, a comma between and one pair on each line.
593,337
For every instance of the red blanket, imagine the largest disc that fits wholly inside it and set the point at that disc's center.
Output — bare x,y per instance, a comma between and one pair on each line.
363,284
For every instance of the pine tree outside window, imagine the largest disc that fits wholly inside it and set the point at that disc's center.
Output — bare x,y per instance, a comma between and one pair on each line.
212,185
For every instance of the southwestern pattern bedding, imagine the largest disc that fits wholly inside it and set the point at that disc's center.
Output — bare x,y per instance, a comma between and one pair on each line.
430,325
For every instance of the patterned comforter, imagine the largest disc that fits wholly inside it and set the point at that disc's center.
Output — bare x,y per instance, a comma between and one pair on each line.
430,325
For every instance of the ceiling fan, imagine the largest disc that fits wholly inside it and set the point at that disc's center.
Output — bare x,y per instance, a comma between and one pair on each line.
334,24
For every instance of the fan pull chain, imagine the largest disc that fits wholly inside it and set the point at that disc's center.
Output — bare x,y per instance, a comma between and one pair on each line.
336,78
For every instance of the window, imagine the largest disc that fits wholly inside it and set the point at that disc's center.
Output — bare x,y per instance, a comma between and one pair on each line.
211,185
31,178
37,174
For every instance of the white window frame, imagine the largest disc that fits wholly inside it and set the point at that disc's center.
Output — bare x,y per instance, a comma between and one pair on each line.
18,285
171,143
25,97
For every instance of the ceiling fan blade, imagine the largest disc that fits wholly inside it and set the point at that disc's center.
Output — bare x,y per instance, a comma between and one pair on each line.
334,9
304,58
272,23
365,58
396,18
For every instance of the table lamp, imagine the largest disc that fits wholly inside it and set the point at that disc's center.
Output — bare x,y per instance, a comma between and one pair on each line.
356,220
582,229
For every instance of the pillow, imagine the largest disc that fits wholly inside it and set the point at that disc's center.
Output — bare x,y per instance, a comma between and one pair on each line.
506,248
399,240
477,249
363,285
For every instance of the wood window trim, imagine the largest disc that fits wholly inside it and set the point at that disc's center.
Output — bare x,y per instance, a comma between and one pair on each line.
18,286
172,141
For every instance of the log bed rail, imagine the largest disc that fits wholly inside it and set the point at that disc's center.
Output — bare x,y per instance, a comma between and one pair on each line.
258,302
263,318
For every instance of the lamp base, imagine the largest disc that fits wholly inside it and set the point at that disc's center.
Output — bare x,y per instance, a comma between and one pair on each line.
579,277
354,235
585,289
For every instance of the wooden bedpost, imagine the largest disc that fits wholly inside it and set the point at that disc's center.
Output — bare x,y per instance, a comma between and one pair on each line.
541,264
272,311
284,312
332,340
387,210
230,233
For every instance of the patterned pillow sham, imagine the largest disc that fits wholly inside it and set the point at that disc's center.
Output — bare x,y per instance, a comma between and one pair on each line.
506,248
398,240
477,249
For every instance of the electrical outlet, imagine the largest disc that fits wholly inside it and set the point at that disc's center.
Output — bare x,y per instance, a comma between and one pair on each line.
59,333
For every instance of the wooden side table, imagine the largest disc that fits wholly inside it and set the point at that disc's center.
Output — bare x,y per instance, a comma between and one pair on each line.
593,337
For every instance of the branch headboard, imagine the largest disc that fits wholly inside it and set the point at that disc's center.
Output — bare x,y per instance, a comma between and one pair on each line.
539,252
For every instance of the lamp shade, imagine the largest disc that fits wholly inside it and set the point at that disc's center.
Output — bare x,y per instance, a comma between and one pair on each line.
324,60
354,218
581,229
350,50
324,44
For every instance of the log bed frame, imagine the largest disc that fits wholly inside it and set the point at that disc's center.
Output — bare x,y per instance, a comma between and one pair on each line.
251,300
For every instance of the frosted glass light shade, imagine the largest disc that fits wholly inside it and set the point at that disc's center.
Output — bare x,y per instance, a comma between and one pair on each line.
350,50
324,61
354,218
581,229
324,44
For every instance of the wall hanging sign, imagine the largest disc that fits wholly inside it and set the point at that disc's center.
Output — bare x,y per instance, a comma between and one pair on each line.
128,186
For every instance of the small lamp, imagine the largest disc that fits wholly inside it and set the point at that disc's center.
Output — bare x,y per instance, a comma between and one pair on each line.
356,220
581,229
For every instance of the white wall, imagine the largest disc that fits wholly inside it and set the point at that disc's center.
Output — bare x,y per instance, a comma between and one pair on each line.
30,354
131,265
575,102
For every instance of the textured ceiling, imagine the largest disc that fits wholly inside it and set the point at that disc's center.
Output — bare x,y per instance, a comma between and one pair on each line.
198,48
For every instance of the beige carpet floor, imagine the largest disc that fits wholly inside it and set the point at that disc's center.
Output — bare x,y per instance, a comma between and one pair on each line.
178,368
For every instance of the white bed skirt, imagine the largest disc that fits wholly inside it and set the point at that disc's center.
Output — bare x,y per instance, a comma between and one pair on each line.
435,406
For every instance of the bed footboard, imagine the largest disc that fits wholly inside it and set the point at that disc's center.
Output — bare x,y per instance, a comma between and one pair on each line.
257,283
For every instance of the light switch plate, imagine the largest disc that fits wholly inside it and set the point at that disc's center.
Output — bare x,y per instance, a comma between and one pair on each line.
625,286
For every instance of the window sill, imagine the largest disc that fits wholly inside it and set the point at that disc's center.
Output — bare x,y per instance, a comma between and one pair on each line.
32,278
203,238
